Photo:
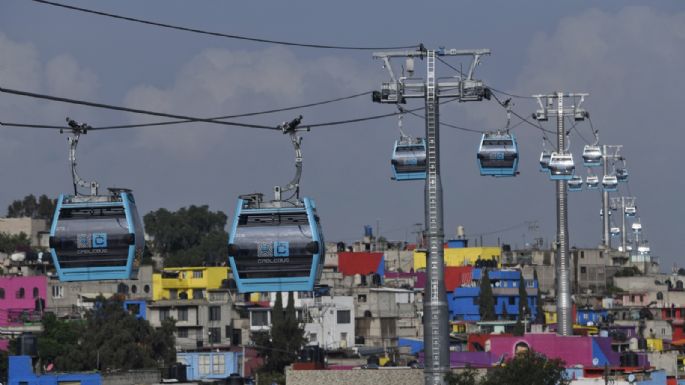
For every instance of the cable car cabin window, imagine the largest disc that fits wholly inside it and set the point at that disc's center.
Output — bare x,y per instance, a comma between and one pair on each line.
274,244
92,237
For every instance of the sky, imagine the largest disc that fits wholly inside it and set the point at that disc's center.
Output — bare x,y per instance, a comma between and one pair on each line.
626,54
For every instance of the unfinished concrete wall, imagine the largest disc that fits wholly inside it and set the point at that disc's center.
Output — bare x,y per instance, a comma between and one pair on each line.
383,376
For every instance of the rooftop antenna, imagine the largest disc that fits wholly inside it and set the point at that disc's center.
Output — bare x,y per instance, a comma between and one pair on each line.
76,131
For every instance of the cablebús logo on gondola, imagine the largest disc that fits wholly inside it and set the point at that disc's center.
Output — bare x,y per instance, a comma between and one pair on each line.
91,243
273,252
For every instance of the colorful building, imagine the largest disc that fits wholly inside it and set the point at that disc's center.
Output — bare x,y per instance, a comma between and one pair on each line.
362,263
463,301
22,301
20,372
210,365
462,256
187,282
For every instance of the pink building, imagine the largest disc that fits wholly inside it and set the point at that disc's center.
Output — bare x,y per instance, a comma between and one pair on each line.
22,301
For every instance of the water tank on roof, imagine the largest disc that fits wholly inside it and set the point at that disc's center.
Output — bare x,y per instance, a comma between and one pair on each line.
632,344
460,232
18,257
357,280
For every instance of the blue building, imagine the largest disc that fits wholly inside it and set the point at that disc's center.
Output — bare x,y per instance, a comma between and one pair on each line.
210,365
21,373
588,317
136,307
463,301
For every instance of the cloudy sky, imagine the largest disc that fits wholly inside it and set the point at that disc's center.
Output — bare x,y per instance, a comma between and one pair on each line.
628,55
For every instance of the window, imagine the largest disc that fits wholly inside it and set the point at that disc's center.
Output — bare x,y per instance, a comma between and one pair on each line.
146,288
35,292
134,289
312,337
163,314
361,298
182,333
512,300
215,313
197,274
122,288
57,292
197,294
173,293
204,363
583,270
659,296
2,293
21,293
218,364
343,316
182,314
260,318
214,335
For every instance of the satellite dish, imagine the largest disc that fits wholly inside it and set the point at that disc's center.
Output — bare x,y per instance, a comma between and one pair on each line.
595,361
631,378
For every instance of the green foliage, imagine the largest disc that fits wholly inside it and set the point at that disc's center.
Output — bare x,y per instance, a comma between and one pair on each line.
192,236
269,378
631,271
280,346
11,243
32,207
486,301
524,311
539,311
519,328
468,376
528,368
108,339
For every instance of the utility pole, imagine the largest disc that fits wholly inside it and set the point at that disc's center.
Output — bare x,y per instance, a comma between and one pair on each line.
462,87
609,152
564,305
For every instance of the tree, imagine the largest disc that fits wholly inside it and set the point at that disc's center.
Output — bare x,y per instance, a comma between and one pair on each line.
468,376
524,310
192,236
32,207
280,346
528,368
11,243
486,301
539,311
109,338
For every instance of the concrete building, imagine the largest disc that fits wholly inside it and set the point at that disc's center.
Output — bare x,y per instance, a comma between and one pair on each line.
187,282
384,314
36,229
207,322
210,365
329,322
70,299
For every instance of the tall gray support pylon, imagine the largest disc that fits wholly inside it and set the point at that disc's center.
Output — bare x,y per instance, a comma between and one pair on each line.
547,107
464,88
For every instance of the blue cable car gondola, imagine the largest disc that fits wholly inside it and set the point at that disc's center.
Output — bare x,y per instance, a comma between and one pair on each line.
544,161
409,159
575,183
96,237
622,174
275,246
498,154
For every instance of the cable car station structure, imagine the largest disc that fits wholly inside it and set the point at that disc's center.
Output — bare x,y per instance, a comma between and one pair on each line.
463,88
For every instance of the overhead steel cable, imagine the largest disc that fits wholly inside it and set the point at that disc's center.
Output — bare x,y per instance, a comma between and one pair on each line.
217,34
538,126
126,109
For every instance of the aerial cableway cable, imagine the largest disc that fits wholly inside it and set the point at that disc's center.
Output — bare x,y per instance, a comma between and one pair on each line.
219,34
163,114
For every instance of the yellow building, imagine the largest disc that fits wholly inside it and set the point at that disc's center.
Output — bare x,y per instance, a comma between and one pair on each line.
187,282
463,256
655,344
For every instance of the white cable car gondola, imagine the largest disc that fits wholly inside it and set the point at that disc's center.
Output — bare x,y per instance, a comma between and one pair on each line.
561,166
498,154
409,159
544,160
630,211
592,182
575,183
615,231
636,226
610,183
592,156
